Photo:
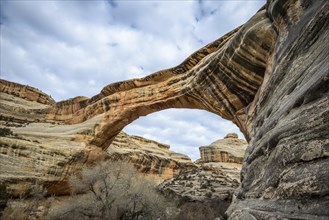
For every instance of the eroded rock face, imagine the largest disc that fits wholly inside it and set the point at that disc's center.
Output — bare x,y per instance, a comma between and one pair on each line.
35,149
216,176
227,150
149,157
201,184
269,76
285,171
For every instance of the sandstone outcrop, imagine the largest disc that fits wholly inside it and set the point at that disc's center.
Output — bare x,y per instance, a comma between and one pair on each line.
34,149
200,184
227,150
285,170
149,157
216,176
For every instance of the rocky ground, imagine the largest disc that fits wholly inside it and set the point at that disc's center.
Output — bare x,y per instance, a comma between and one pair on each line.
216,176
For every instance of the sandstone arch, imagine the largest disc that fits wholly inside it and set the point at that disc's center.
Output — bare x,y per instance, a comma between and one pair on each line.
222,77
269,76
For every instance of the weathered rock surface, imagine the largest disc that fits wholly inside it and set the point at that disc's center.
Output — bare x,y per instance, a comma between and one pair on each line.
285,171
33,148
217,174
149,157
227,150
200,184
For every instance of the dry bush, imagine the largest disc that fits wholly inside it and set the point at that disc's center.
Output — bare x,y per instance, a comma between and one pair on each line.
115,190
28,206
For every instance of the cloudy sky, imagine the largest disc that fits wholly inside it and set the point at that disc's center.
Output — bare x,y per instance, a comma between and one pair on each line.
71,48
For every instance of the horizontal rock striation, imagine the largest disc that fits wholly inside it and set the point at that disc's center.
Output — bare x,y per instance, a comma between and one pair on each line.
270,77
285,171
222,77
26,92
227,150
149,157
35,149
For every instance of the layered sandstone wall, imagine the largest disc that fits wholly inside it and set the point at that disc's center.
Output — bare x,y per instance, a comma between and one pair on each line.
269,76
149,157
35,149
227,150
285,171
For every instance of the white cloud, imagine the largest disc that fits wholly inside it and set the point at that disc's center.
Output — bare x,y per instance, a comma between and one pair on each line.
71,48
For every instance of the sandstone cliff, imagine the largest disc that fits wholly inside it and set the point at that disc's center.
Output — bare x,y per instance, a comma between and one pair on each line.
149,157
285,170
34,149
227,150
216,176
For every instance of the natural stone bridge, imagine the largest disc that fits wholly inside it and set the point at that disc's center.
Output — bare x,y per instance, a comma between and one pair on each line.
223,77
270,77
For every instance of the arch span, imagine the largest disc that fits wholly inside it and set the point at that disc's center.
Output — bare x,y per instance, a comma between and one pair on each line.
223,77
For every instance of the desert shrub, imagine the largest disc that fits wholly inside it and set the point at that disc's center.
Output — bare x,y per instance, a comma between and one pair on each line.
28,205
115,190
16,213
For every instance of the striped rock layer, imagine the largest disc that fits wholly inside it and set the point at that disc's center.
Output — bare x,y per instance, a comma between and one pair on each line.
222,77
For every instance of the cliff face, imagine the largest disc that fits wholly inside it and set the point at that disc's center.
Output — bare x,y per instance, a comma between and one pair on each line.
285,170
227,150
149,157
35,149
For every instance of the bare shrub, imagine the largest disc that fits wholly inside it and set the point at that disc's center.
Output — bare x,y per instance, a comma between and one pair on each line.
33,205
115,190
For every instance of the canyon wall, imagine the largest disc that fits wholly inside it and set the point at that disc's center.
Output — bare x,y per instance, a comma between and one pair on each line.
216,175
227,150
269,76
285,171
35,149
